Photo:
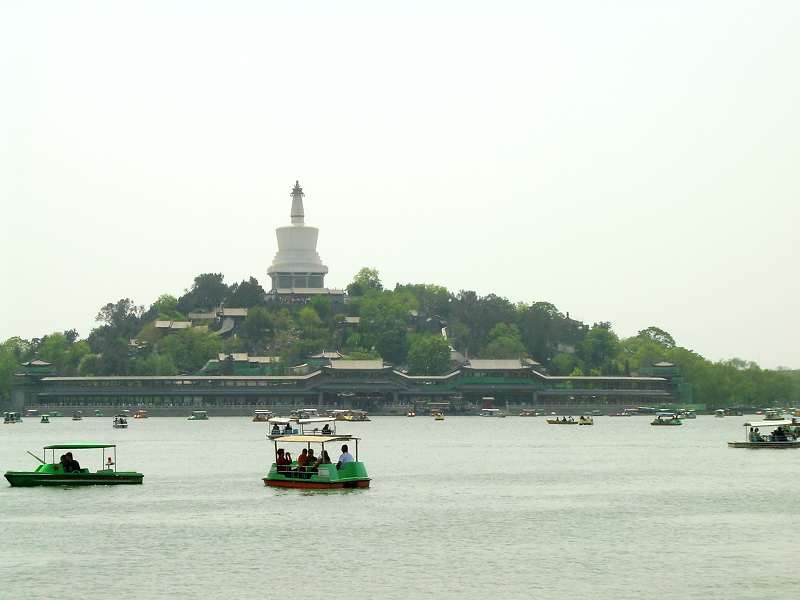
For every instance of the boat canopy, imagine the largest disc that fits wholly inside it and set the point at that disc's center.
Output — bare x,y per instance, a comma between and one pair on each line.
281,420
769,423
78,446
316,420
314,439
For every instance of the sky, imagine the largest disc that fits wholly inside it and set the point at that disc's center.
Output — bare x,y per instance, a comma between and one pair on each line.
632,162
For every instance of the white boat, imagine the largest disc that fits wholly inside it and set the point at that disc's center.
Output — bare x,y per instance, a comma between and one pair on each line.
783,436
719,413
492,412
198,415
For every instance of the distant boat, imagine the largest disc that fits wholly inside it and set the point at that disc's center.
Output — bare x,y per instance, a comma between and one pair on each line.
668,419
492,412
45,419
784,436
120,422
198,415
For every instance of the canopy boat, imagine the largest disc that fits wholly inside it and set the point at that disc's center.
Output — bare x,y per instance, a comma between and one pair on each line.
354,415
120,422
98,413
198,415
719,413
773,414
56,413
53,473
623,413
784,435
77,416
9,418
321,476
529,412
305,413
32,412
45,418
585,421
492,412
261,416
140,414
685,413
437,414
664,418
283,426
562,421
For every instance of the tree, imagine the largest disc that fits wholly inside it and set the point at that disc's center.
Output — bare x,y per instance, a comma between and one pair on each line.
208,291
504,342
659,336
384,325
599,349
366,281
121,317
257,328
166,309
428,355
190,349
246,294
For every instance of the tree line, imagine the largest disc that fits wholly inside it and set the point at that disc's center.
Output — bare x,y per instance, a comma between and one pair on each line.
415,327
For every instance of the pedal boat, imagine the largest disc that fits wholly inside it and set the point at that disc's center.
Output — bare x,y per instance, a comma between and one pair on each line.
791,437
564,421
50,473
666,419
120,422
323,477
45,419
198,415
586,421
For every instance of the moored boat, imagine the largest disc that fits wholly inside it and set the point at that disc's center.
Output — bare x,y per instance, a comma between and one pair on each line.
60,473
198,415
349,472
784,435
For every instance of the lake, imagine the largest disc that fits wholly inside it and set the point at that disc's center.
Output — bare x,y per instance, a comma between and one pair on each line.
463,508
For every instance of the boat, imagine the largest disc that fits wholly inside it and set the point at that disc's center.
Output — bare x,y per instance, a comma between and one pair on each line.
306,413
529,412
140,414
354,415
719,413
623,413
45,418
261,416
773,414
585,421
56,413
198,415
52,473
666,418
98,413
352,474
32,412
783,436
562,421
77,416
686,413
437,414
411,413
10,418
282,426
492,412
120,422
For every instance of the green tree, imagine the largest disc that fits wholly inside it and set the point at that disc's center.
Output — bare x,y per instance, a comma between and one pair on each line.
365,281
246,294
190,349
428,355
504,342
599,348
384,325
166,309
659,336
258,326
208,291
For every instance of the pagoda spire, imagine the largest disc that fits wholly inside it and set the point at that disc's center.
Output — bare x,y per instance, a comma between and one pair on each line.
298,215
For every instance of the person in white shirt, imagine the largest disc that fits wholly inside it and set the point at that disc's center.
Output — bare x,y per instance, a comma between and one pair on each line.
345,457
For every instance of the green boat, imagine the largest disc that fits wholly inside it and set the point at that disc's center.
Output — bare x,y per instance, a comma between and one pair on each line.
198,415
666,419
351,474
52,473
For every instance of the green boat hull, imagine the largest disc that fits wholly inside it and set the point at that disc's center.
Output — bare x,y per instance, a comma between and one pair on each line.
324,477
52,475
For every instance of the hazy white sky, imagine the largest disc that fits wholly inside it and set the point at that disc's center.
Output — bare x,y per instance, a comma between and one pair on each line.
635,162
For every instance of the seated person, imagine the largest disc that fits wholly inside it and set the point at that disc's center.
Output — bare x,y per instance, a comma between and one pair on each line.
63,463
324,459
74,465
288,428
311,463
327,429
282,461
276,430
345,457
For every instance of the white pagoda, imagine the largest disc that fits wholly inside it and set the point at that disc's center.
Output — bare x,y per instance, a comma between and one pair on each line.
297,268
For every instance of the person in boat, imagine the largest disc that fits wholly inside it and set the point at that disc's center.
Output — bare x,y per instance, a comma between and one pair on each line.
288,428
324,459
344,457
64,464
283,461
74,465
302,461
276,429
311,463
327,429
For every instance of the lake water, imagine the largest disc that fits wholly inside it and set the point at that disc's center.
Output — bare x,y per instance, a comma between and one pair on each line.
462,508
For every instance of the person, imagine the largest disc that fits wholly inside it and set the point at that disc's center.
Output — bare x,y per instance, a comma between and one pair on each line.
311,463
327,429
64,464
276,429
281,461
74,465
302,460
109,463
345,457
288,428
324,459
